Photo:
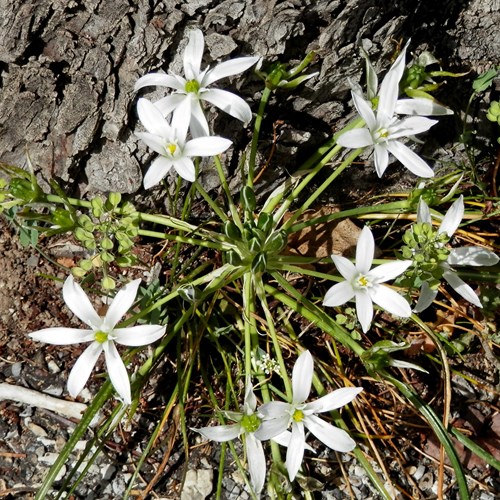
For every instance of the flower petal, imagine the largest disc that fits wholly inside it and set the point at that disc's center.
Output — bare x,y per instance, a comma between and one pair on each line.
117,371
421,106
79,303
256,462
333,437
345,267
295,451
364,310
275,409
153,79
284,439
427,295
155,142
302,375
228,68
229,103
193,54
157,171
381,159
84,365
338,294
453,217
411,126
181,119
334,400
409,159
462,288
198,124
365,111
389,270
221,433
121,303
365,249
167,104
62,336
472,256
423,212
206,146
269,429
184,166
357,138
152,118
138,335
390,301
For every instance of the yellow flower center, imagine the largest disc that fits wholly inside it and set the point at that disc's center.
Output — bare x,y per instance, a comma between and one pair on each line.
298,415
100,337
172,148
192,86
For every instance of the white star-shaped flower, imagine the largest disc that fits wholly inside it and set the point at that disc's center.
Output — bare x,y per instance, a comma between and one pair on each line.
462,256
192,88
365,284
170,142
102,334
301,415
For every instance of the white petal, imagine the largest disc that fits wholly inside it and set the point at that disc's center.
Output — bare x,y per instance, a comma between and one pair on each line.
381,158
389,270
156,143
193,54
409,159
345,267
79,303
364,310
185,168
221,433
421,106
275,409
181,120
284,439
427,295
157,171
356,138
139,335
462,288
333,437
334,400
365,249
250,401
453,217
206,146
228,68
390,301
62,336
256,463
302,377
389,89
338,294
472,256
269,429
423,212
121,303
117,372
229,103
84,365
153,79
365,111
152,118
411,126
167,104
198,124
295,451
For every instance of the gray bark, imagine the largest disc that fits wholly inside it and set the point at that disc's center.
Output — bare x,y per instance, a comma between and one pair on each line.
67,69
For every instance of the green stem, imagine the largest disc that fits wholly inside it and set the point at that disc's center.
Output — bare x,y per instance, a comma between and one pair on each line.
223,246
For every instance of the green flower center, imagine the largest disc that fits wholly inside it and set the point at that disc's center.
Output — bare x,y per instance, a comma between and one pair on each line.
100,337
192,86
250,422
298,415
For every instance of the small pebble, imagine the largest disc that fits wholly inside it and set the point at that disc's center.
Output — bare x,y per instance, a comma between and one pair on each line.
36,429
53,367
16,368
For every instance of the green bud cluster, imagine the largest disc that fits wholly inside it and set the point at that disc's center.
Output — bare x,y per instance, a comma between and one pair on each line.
493,113
107,232
257,241
427,249
415,76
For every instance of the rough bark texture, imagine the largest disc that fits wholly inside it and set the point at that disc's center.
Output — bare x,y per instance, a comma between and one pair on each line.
67,69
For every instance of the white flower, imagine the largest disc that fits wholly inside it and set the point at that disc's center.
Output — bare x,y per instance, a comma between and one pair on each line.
384,129
192,88
301,415
169,141
250,425
463,256
102,335
364,284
